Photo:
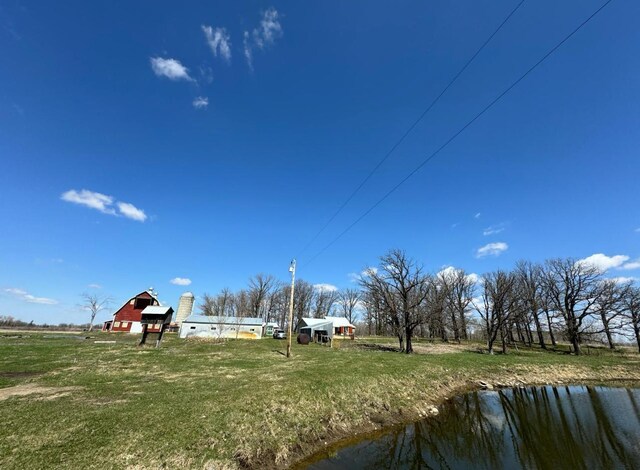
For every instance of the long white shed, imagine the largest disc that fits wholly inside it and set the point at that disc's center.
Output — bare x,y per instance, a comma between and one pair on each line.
203,326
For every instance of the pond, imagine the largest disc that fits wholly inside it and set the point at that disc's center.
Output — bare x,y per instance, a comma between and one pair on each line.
537,427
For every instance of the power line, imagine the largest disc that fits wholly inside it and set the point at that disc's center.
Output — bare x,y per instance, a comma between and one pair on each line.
410,129
460,131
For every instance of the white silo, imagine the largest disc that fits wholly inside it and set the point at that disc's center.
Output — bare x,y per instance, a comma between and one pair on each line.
185,307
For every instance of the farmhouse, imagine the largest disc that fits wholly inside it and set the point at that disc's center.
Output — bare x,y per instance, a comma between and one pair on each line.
128,317
203,326
331,327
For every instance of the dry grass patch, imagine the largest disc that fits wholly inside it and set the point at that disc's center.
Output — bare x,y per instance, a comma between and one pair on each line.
45,393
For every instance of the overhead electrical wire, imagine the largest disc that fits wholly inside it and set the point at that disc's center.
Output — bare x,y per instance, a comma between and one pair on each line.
460,131
410,129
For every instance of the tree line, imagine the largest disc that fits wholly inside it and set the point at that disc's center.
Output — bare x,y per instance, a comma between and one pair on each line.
534,303
268,298
561,299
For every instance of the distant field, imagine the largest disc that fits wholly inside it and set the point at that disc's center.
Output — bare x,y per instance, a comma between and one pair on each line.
67,402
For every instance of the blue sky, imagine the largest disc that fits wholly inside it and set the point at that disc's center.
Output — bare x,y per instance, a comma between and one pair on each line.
139,144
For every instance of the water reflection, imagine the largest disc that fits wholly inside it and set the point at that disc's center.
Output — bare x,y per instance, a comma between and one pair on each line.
544,427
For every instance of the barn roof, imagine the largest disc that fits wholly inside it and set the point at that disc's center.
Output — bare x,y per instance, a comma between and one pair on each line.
223,320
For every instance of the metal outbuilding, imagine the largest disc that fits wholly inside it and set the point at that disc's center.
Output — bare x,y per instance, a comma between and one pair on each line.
203,326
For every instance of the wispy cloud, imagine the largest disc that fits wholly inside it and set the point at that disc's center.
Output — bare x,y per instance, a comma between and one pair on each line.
103,203
603,262
180,281
219,41
248,53
170,68
325,287
477,215
94,286
367,272
206,74
623,279
492,249
631,265
264,35
201,102
32,299
269,30
494,229
637,230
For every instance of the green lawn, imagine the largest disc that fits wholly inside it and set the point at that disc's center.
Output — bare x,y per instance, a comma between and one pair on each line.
70,403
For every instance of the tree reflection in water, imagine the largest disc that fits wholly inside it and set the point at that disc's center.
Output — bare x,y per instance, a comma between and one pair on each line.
541,427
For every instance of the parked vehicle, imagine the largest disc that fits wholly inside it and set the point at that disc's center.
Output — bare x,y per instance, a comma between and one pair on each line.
279,334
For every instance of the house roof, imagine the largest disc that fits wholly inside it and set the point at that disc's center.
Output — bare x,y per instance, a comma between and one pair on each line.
156,310
339,322
315,321
223,320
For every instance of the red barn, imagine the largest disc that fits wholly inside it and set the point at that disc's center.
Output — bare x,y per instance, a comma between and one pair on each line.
128,317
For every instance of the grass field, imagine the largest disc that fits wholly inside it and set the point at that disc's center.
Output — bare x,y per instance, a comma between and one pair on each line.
67,402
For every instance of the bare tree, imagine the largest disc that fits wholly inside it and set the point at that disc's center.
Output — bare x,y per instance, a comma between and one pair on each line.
260,286
220,305
94,304
302,300
572,288
529,285
324,299
403,287
631,304
458,289
610,307
349,300
498,302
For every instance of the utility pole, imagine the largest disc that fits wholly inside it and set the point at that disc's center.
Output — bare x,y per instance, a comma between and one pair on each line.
292,270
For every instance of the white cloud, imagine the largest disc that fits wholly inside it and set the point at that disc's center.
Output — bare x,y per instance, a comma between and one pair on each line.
131,212
450,271
494,229
32,299
264,35
369,271
635,264
623,279
104,204
492,249
355,277
603,262
180,281
170,68
201,102
269,29
325,287
637,230
91,199
95,286
219,41
477,216
248,54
